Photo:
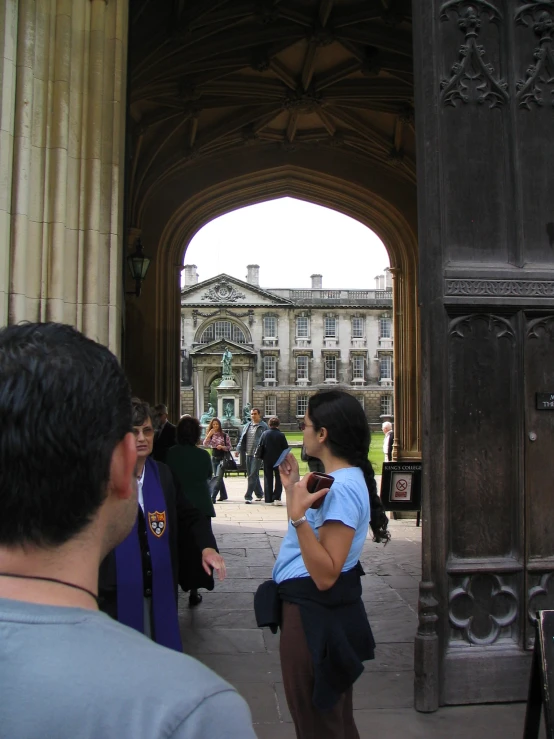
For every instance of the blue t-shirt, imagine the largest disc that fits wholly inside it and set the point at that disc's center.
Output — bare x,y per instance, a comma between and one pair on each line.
348,502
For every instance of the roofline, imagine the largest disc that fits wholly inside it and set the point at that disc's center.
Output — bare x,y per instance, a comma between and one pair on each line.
223,275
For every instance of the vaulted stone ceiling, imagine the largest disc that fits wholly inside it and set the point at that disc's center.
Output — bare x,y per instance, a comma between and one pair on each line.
210,76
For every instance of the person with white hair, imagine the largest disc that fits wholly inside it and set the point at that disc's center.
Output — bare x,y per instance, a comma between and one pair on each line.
387,441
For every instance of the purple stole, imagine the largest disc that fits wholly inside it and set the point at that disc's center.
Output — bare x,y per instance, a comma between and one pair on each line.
128,557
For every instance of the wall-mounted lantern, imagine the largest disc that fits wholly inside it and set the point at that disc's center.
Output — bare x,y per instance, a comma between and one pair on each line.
138,266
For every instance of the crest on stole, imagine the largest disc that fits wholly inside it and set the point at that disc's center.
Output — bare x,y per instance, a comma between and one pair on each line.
157,523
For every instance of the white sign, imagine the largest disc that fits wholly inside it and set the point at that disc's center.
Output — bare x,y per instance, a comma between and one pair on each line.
401,486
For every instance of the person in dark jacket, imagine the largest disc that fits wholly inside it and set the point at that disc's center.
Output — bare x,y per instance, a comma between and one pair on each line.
164,437
325,633
170,544
272,443
192,468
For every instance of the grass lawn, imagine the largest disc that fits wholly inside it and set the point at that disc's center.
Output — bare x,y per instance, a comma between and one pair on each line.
375,450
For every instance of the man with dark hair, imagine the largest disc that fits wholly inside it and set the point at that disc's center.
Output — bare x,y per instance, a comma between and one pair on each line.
68,496
272,444
165,434
249,440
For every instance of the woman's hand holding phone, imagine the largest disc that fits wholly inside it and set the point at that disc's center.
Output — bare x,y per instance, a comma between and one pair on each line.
299,497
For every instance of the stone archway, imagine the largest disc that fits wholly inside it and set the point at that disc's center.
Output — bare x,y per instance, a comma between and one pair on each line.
341,195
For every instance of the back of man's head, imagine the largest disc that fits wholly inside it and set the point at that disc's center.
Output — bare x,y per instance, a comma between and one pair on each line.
65,404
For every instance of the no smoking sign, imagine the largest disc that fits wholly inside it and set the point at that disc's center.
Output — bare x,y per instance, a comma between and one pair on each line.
401,486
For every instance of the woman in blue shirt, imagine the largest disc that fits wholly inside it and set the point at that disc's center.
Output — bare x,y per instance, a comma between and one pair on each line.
325,634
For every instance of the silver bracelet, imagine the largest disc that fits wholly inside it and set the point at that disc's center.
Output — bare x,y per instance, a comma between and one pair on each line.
299,521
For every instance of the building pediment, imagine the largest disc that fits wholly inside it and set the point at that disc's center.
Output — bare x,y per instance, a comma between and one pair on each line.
218,347
224,290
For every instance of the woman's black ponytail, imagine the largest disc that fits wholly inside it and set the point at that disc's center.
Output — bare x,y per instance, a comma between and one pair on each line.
379,519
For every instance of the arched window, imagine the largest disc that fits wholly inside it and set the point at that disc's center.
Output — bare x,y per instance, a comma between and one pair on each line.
222,330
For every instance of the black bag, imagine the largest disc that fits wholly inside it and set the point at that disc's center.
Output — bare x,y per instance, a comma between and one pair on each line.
228,462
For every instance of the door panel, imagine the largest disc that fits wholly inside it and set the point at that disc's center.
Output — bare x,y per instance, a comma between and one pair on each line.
539,467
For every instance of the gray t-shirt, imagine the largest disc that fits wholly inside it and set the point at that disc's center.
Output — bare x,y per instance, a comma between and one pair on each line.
71,673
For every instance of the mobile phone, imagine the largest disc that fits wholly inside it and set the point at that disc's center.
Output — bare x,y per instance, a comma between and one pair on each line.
282,457
318,481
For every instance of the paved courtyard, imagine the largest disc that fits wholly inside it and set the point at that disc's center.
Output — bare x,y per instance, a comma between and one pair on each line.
222,633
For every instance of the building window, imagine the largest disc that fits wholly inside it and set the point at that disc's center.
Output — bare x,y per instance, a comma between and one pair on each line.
330,328
301,405
330,368
302,327
270,368
386,405
270,407
223,330
386,367
302,368
270,327
357,328
358,368
385,328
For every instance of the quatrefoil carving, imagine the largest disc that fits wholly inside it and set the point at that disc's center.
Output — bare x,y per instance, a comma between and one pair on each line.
481,606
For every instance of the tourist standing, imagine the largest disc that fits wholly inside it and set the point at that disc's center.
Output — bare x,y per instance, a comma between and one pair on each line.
192,468
219,442
165,434
272,444
317,573
249,440
67,461
387,441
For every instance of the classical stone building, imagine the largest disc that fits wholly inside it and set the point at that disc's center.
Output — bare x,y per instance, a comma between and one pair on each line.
286,344
128,118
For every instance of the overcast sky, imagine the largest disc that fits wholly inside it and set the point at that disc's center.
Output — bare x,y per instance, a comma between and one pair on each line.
290,240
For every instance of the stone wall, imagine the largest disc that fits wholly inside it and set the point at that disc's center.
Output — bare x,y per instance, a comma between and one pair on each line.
62,126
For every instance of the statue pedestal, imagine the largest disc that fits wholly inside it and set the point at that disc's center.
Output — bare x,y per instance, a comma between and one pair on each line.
228,407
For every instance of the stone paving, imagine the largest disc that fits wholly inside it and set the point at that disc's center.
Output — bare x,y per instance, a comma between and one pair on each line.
222,632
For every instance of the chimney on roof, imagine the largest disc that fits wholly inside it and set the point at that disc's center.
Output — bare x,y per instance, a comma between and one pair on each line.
253,276
317,282
380,282
388,278
191,275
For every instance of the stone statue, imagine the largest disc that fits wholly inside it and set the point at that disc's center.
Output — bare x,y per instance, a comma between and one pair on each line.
206,417
226,360
246,413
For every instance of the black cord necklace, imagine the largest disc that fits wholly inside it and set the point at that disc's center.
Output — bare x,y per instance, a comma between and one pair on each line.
51,579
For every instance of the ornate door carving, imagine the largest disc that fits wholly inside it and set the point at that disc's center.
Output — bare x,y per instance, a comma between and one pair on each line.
484,117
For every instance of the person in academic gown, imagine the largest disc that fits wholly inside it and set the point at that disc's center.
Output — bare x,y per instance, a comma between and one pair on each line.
171,544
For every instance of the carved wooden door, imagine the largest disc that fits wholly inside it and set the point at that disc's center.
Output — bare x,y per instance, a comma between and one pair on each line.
484,72
539,466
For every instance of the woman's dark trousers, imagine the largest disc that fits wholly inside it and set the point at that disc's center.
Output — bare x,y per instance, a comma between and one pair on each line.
298,679
218,471
269,493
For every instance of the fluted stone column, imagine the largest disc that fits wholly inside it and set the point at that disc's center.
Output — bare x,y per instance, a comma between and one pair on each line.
62,124
198,381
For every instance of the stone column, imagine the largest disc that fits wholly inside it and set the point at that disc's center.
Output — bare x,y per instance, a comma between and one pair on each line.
62,123
247,385
8,45
198,381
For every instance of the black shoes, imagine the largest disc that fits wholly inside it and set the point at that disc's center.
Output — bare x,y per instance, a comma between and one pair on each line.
194,598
